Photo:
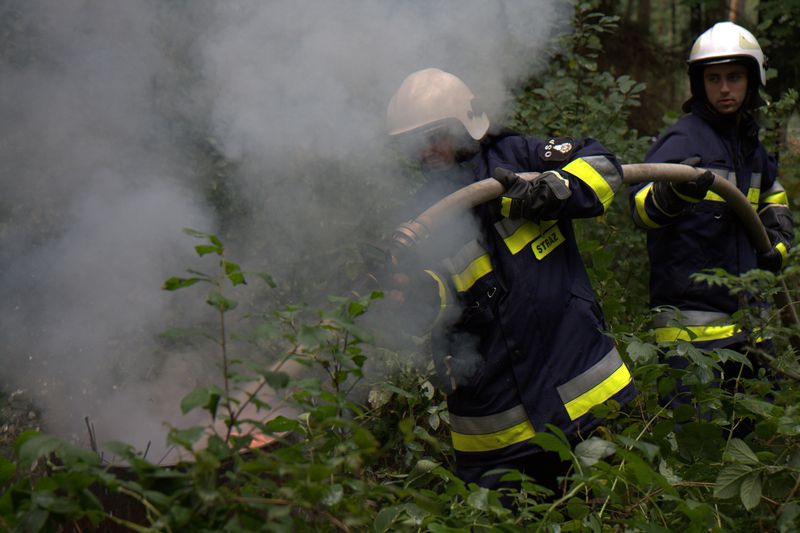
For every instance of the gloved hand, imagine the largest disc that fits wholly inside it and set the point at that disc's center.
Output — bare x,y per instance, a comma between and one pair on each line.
534,200
773,259
695,190
376,256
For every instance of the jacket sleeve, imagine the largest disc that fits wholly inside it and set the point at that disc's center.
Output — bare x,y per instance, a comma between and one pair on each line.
594,176
774,212
654,206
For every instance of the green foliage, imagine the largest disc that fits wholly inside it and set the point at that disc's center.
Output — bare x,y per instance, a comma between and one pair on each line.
359,454
573,98
778,27
351,451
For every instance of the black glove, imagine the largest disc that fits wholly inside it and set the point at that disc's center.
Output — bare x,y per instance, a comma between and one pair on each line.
695,190
376,256
772,260
541,198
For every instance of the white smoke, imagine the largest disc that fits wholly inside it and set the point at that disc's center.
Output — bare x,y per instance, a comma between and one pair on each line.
102,104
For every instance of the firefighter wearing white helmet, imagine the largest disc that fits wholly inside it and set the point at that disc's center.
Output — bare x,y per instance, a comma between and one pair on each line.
430,99
519,345
690,228
726,42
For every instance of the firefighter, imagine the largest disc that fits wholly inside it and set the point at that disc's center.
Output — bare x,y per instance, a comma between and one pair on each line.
690,228
514,282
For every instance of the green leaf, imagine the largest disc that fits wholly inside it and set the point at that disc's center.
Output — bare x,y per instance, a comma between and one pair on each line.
739,452
207,398
281,424
479,499
333,495
729,480
276,380
204,249
356,308
234,273
195,233
758,407
641,351
121,449
650,450
552,443
173,283
33,520
750,491
364,439
378,397
789,516
592,450
310,337
425,466
31,446
185,437
386,518
267,279
219,302
7,470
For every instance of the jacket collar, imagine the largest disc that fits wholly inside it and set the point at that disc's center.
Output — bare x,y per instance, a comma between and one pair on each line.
740,126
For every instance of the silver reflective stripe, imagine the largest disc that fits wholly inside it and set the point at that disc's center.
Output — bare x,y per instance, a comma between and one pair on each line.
605,168
506,227
466,255
755,180
671,317
775,189
592,377
483,425
732,177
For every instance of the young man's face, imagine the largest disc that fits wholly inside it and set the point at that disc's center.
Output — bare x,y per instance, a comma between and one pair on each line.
726,86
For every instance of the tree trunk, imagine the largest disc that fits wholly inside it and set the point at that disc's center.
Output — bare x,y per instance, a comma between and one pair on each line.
736,10
643,15
696,19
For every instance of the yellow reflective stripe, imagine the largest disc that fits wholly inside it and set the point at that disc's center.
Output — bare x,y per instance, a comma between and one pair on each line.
442,293
524,234
505,206
685,198
474,271
603,391
783,251
586,173
493,441
711,196
639,199
779,198
753,194
696,333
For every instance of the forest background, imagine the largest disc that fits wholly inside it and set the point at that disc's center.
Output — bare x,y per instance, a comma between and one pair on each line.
364,444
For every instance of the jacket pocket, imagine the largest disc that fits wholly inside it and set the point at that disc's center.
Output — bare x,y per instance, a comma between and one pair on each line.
480,305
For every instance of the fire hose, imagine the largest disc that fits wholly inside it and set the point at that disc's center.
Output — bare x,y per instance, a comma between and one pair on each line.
408,234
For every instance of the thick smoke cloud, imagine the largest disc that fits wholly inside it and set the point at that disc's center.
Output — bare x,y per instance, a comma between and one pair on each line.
102,107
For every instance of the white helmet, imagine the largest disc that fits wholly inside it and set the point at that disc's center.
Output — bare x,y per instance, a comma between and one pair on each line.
428,99
725,41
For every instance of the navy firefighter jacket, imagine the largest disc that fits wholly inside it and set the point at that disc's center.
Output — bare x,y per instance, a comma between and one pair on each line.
708,234
526,306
